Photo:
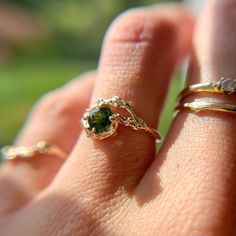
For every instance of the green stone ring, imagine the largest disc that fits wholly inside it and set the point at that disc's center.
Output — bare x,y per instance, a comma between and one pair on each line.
101,121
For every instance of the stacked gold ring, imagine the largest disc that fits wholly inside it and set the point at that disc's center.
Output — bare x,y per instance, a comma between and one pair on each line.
225,86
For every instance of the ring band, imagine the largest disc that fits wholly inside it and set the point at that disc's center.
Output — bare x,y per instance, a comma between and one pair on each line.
42,147
224,86
206,106
101,121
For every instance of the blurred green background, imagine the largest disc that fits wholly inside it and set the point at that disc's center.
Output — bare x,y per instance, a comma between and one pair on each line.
43,44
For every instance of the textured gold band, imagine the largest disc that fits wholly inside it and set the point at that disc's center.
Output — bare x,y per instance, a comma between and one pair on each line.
224,86
42,147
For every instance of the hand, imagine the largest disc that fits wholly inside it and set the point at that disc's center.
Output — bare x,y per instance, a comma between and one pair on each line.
117,186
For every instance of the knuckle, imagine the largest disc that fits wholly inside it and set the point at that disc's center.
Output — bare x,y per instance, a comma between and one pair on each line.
54,104
137,26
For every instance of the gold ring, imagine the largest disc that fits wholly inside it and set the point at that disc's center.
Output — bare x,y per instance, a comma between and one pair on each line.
206,106
42,147
224,86
101,121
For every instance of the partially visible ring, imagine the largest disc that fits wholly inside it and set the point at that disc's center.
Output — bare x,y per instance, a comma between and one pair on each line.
206,106
101,121
22,152
224,86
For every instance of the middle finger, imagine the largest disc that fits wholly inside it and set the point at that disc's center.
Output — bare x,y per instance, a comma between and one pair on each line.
138,58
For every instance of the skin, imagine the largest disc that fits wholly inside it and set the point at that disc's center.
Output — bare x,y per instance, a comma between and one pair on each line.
119,186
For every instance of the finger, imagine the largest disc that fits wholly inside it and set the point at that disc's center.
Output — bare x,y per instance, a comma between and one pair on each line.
55,119
197,166
139,55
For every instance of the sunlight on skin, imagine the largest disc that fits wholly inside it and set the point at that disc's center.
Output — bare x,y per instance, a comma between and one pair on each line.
119,186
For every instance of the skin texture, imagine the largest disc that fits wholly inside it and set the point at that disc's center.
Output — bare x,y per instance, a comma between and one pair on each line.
119,186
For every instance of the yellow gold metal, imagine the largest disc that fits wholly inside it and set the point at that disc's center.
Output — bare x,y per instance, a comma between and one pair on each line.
132,121
224,86
206,106
42,147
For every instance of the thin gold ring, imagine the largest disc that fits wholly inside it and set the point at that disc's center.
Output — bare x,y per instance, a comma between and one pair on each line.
22,152
101,121
224,86
206,106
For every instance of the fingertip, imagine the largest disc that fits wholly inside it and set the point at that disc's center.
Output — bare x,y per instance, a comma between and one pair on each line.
150,24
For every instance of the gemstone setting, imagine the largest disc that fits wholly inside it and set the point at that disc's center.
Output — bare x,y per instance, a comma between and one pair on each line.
99,119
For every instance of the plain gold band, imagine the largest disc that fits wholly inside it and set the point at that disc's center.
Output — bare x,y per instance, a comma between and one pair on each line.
42,147
206,106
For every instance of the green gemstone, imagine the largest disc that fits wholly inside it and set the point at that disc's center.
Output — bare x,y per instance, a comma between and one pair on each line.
99,119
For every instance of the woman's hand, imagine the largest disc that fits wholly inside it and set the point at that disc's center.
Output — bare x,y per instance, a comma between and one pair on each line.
118,186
